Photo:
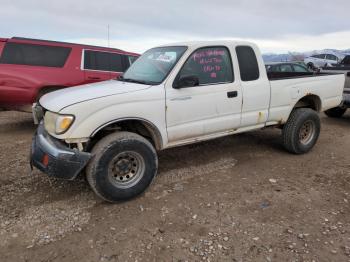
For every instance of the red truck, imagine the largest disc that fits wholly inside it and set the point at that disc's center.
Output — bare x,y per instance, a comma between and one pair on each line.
30,68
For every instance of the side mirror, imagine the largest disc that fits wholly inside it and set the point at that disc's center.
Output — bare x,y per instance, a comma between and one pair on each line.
186,81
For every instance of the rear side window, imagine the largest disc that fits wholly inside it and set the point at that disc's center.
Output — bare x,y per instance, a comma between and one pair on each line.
248,64
298,68
34,55
103,61
286,68
346,60
331,57
211,65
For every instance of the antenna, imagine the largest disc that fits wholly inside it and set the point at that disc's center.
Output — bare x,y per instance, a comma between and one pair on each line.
108,35
109,54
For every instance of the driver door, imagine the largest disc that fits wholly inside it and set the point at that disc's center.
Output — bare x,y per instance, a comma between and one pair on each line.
210,107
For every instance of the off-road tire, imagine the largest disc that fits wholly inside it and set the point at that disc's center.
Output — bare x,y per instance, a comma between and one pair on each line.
336,112
98,171
294,130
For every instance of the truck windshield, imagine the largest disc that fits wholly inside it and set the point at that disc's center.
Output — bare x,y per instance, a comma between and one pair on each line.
154,65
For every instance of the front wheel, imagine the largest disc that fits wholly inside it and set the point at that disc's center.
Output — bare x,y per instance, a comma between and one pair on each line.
123,166
301,131
335,112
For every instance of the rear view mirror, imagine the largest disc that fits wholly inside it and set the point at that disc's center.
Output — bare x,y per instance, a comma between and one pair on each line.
186,81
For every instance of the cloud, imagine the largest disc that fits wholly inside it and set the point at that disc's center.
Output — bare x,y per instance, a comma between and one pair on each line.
137,25
297,43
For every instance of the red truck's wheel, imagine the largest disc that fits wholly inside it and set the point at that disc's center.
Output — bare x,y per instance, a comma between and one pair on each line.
123,166
301,131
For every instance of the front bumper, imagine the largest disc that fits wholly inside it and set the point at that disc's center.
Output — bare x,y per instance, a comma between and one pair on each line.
38,113
54,158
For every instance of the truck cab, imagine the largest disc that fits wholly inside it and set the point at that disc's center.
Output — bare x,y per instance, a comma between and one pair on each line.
175,95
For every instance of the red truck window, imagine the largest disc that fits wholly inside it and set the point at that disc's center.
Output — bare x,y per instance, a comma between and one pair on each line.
103,61
34,55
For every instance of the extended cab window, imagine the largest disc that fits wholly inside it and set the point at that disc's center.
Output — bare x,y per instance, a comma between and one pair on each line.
34,55
103,61
211,65
248,64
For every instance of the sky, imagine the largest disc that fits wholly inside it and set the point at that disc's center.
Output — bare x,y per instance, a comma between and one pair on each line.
277,26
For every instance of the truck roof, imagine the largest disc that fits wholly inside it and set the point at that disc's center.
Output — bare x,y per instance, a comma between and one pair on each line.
195,44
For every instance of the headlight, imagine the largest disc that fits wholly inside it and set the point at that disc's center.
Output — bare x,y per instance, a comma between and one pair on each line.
56,123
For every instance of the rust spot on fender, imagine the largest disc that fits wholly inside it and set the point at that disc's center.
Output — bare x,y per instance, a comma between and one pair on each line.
260,117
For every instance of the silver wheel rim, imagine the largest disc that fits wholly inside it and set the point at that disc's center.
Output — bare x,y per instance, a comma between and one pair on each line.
307,132
126,169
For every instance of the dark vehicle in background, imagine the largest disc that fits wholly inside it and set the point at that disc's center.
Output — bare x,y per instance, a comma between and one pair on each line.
30,68
286,67
342,67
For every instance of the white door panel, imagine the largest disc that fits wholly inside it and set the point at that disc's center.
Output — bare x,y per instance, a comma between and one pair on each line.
202,110
256,102
255,86
213,106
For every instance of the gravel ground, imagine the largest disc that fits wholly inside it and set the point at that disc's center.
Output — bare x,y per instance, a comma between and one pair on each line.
239,198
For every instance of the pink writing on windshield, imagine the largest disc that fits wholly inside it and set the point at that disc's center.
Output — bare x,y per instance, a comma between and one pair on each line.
210,61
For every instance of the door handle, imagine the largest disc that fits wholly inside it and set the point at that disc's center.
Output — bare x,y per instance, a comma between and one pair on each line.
232,94
94,78
181,98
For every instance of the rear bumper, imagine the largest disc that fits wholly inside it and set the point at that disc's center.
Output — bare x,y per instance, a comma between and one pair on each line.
52,157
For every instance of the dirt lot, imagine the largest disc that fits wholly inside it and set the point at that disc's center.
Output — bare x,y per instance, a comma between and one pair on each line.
240,198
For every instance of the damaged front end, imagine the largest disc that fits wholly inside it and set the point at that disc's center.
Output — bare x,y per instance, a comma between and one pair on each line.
54,157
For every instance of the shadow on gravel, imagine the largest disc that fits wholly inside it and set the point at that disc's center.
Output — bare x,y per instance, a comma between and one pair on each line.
236,147
38,188
342,121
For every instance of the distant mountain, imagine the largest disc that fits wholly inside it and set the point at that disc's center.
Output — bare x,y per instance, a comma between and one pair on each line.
299,56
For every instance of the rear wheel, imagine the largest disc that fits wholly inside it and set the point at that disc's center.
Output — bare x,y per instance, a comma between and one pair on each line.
335,112
301,131
123,166
311,66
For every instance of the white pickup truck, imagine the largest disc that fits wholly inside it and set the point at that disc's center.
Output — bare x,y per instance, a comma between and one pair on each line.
174,95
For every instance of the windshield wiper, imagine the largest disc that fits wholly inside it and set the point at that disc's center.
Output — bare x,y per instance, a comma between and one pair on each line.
135,81
121,78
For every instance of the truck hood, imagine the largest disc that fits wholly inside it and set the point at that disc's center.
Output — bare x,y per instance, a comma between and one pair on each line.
56,101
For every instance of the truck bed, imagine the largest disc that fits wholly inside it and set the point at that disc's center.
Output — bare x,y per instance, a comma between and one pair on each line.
290,75
287,88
